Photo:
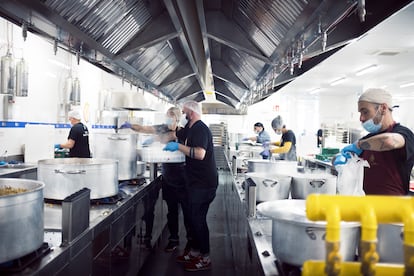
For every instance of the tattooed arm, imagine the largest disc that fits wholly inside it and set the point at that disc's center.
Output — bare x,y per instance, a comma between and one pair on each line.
382,142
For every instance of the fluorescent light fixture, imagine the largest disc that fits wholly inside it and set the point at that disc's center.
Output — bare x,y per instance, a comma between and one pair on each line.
408,84
49,74
366,70
58,63
338,81
315,91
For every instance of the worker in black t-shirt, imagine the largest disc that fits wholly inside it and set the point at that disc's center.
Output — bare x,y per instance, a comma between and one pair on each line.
78,138
202,182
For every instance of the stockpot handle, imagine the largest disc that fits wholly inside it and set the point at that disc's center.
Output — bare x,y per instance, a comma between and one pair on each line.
311,233
269,182
317,183
117,138
71,172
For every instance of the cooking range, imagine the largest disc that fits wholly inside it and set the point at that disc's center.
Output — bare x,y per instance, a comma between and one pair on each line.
20,264
122,192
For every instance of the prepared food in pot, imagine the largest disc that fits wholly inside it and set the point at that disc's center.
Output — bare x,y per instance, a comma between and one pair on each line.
7,190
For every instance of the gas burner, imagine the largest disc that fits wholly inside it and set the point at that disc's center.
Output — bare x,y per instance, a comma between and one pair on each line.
134,182
19,264
97,201
107,200
285,269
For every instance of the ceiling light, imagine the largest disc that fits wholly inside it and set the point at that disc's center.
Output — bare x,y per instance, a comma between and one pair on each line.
366,70
338,81
58,63
408,84
315,90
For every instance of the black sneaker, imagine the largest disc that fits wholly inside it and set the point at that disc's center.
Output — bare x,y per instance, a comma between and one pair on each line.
171,246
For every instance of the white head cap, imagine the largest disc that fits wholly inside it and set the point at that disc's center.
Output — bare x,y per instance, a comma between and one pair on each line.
377,96
194,106
74,114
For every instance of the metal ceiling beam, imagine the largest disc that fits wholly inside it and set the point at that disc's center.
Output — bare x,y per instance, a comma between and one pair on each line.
177,19
182,72
225,100
219,28
193,89
192,15
224,73
222,89
198,97
159,30
47,18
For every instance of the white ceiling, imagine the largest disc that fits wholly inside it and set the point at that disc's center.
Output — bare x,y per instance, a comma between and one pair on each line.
390,45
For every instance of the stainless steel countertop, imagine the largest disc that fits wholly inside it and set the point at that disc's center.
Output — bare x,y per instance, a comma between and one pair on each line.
11,170
97,213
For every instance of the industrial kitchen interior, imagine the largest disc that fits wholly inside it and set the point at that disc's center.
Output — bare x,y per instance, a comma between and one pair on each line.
110,64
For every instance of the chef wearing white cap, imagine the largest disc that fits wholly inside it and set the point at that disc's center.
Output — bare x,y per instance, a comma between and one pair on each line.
78,138
388,148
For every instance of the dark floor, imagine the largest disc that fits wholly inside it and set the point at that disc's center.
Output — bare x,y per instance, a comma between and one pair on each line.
162,263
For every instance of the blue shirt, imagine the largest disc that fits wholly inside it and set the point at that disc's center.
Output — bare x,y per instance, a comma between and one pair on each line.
263,137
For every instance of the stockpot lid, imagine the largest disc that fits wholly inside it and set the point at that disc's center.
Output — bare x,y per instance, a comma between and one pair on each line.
266,175
293,211
314,175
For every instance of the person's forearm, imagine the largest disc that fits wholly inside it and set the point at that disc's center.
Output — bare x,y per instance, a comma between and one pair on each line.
192,152
382,142
143,129
286,147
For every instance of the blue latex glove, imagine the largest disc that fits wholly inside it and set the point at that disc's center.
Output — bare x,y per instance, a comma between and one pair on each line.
126,125
352,148
148,142
171,146
265,154
2,163
245,139
340,159
57,146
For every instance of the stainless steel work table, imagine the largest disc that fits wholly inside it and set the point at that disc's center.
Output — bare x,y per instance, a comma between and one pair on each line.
111,226
259,234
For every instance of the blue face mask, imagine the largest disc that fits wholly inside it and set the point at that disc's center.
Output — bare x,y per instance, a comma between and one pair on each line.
169,121
370,126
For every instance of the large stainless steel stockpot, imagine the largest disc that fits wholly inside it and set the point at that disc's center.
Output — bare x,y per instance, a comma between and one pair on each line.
65,176
121,147
141,167
282,167
270,186
390,243
304,184
21,218
296,239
